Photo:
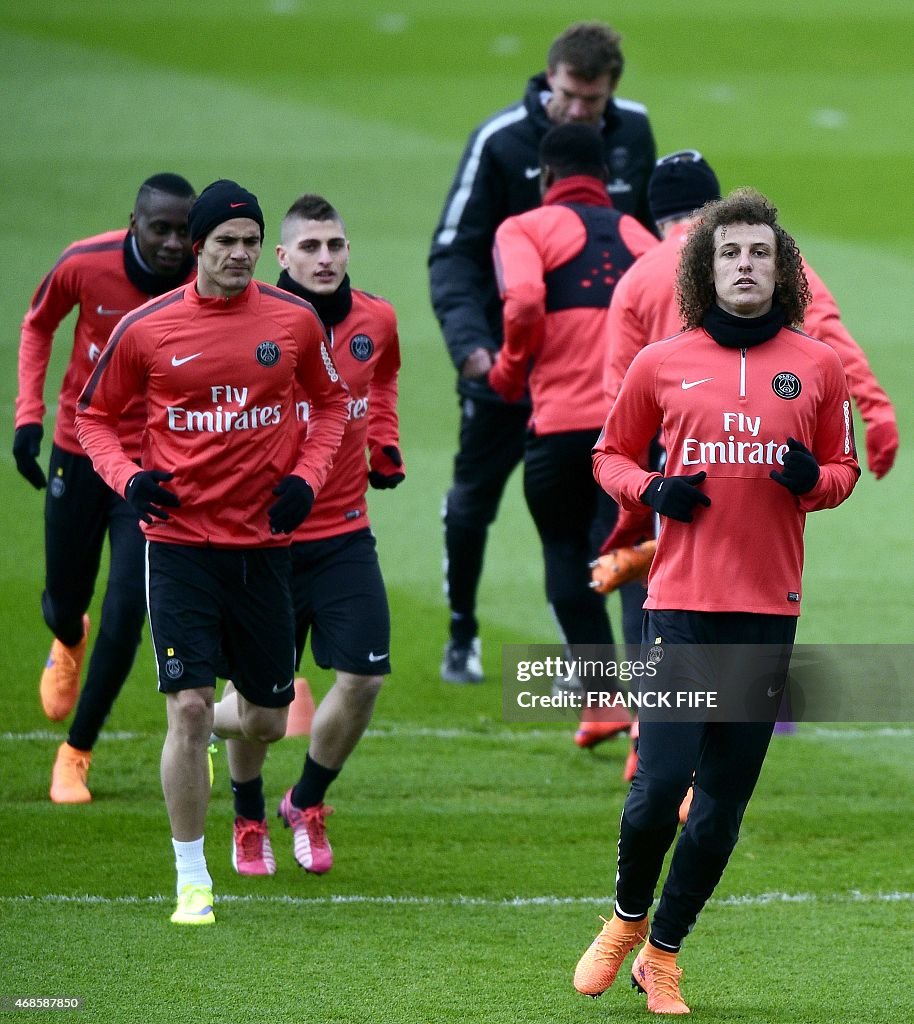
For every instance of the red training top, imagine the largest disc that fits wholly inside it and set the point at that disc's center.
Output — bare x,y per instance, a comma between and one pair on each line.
89,274
219,378
556,306
729,412
366,350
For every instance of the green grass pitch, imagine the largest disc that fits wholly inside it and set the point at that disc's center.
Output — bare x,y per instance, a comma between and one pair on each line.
473,856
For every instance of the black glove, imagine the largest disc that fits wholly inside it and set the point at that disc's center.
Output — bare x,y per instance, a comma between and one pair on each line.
295,501
145,495
676,496
801,471
386,468
26,446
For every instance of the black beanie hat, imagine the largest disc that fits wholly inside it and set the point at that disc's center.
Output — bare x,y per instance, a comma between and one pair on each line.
221,201
680,184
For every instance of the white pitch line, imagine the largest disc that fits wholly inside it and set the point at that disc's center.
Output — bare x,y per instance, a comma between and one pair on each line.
748,900
502,735
56,737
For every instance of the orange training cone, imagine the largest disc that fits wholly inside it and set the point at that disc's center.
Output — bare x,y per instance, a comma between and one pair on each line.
301,710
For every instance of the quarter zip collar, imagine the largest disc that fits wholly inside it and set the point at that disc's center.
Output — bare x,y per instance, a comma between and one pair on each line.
743,332
332,309
142,277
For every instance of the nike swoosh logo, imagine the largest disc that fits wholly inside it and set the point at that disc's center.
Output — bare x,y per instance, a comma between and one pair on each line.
282,689
109,312
180,362
694,383
234,206
531,172
377,657
774,693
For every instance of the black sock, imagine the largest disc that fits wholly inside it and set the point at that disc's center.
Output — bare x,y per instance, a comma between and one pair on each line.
249,801
315,780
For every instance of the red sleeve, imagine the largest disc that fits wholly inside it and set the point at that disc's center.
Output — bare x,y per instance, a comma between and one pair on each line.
55,297
328,398
823,321
383,423
833,444
633,421
635,236
519,271
627,336
118,378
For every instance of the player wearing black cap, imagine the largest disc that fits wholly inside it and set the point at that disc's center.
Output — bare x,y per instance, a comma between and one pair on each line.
225,479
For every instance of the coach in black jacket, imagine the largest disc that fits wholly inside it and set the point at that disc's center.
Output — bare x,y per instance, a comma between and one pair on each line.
498,177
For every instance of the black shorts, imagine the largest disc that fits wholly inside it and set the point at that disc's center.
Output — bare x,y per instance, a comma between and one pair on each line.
204,602
339,595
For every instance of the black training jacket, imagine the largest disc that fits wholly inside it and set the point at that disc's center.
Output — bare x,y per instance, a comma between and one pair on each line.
498,177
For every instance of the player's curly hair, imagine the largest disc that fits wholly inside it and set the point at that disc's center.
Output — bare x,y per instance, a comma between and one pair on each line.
695,279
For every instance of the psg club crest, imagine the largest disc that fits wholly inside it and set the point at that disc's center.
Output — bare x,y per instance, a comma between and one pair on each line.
786,385
655,655
268,353
361,347
174,668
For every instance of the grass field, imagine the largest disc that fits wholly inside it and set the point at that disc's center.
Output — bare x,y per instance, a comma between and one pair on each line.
473,856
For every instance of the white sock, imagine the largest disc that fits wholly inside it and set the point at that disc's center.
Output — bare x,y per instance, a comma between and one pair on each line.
191,864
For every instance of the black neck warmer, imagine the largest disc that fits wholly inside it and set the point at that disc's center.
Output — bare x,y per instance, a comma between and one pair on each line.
330,308
741,331
140,276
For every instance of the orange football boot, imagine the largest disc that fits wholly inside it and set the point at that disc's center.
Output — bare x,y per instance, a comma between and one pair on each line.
600,724
301,710
59,687
69,776
686,805
656,973
598,967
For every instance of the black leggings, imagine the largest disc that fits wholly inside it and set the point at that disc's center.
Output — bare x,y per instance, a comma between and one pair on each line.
80,511
573,516
726,760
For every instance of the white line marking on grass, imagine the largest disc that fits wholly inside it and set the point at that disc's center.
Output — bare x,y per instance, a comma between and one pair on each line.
420,732
510,735
504,46
427,732
392,24
886,732
47,734
828,117
748,900
721,94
